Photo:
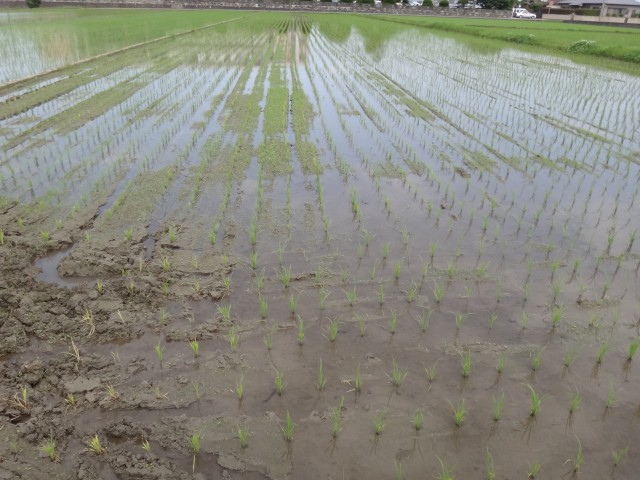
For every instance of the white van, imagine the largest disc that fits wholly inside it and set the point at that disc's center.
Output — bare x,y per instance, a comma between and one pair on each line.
522,13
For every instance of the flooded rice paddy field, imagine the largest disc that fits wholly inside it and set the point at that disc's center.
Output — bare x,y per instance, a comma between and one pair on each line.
317,247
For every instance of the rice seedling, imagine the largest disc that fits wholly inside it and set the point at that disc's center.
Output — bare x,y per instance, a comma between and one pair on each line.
524,320
412,292
611,398
399,471
633,349
445,473
225,312
234,338
172,234
498,406
579,460
619,456
146,446
393,323
492,320
459,413
335,419
195,347
385,250
438,292
556,316
1,237
418,420
253,259
361,325
322,380
459,320
285,276
534,470
381,295
128,234
300,331
159,351
488,460
351,296
324,293
253,231
195,448
280,252
536,359
287,429
569,358
243,435
279,381
164,316
240,389
423,320
602,350
70,400
358,380
226,282
263,306
397,374
293,303
94,446
431,373
112,393
466,364
49,449
535,402
212,236
576,400
378,424
333,330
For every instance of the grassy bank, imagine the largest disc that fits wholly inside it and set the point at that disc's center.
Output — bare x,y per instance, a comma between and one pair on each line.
622,44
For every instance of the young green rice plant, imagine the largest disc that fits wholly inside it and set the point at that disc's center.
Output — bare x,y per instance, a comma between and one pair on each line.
263,306
293,303
166,288
226,281
576,400
358,380
423,320
172,234
466,364
234,338
492,320
385,250
556,316
166,264
279,381
431,373
146,446
335,419
360,250
240,389
300,331
619,456
412,292
397,268
164,315
1,237
128,234
322,379
324,293
459,413
212,236
253,259
569,358
438,292
393,323
378,424
287,429
381,294
195,447
535,402
498,406
611,398
285,276
536,358
361,325
602,350
524,320
418,420
243,435
333,330
49,449
253,231
94,446
397,374
445,473
159,351
488,460
534,470
579,460
459,320
351,296
225,312
195,347
633,349
280,252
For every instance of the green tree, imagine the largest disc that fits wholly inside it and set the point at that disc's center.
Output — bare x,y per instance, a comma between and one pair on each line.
427,3
444,3
33,3
496,4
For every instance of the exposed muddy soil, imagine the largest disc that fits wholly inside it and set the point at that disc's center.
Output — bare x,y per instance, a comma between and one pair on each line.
294,217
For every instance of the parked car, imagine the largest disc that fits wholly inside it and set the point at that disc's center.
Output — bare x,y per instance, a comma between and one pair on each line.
522,13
